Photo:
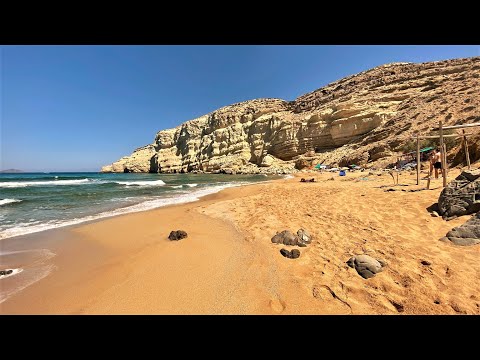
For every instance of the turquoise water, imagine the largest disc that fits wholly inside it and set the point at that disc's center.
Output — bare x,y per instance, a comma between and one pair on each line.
32,202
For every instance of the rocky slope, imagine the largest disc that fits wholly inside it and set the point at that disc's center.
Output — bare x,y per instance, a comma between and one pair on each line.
363,119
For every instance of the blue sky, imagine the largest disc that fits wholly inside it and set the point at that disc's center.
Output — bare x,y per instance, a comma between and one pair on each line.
68,108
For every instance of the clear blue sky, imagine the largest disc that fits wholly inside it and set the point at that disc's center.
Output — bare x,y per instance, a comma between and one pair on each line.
67,108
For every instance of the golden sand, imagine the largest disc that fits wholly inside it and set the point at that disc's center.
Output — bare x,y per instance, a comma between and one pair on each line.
228,265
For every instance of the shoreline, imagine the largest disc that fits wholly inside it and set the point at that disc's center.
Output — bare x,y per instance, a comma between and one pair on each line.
130,209
64,244
227,265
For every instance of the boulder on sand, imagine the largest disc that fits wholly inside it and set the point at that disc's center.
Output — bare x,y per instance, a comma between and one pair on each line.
466,234
366,265
177,235
285,237
294,254
461,196
304,236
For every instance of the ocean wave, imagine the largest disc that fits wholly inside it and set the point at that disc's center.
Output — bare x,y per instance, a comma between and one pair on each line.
19,184
191,185
23,229
176,186
8,201
141,183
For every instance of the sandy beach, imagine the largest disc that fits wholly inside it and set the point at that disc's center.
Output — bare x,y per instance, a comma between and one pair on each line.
228,264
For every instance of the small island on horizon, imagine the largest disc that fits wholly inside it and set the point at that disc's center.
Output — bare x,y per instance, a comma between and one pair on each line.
11,171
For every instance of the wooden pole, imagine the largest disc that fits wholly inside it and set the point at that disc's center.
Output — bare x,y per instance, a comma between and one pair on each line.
457,126
465,145
418,160
445,162
437,136
440,128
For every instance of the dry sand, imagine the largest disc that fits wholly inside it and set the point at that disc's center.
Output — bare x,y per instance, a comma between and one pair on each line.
228,265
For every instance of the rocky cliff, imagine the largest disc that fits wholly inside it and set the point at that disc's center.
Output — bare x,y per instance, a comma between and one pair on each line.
363,119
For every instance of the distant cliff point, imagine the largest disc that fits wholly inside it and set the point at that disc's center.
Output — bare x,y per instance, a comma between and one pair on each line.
11,171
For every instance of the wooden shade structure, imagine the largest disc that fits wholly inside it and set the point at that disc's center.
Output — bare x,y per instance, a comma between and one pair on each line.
443,150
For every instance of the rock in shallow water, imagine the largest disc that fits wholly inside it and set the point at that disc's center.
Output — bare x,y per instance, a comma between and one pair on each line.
177,235
6,272
366,266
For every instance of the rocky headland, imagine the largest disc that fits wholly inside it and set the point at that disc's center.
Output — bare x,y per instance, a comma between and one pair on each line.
364,119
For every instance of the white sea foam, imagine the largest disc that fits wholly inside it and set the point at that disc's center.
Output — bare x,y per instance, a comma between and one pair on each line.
141,183
176,186
288,176
35,266
191,185
27,278
17,184
14,272
24,229
8,201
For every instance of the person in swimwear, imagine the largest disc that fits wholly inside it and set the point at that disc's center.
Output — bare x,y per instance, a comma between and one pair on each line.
437,163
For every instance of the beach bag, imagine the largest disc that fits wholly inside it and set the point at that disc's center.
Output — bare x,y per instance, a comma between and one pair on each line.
342,173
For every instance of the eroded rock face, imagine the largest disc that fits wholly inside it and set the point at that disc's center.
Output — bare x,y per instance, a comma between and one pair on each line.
139,162
466,234
461,196
355,119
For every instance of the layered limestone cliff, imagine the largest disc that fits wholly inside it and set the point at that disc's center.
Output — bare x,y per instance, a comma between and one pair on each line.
362,119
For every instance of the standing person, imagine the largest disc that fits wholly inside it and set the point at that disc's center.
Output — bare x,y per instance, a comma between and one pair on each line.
437,163
431,156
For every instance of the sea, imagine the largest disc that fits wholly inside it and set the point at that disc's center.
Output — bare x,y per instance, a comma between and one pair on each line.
34,202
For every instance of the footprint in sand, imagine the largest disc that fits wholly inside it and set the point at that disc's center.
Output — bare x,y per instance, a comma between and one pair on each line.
277,305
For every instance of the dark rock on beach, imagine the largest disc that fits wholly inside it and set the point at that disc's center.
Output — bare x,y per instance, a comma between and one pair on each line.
294,254
177,235
461,196
285,252
285,237
366,266
6,272
466,234
304,236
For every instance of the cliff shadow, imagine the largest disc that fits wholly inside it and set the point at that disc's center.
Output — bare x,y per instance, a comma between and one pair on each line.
153,165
